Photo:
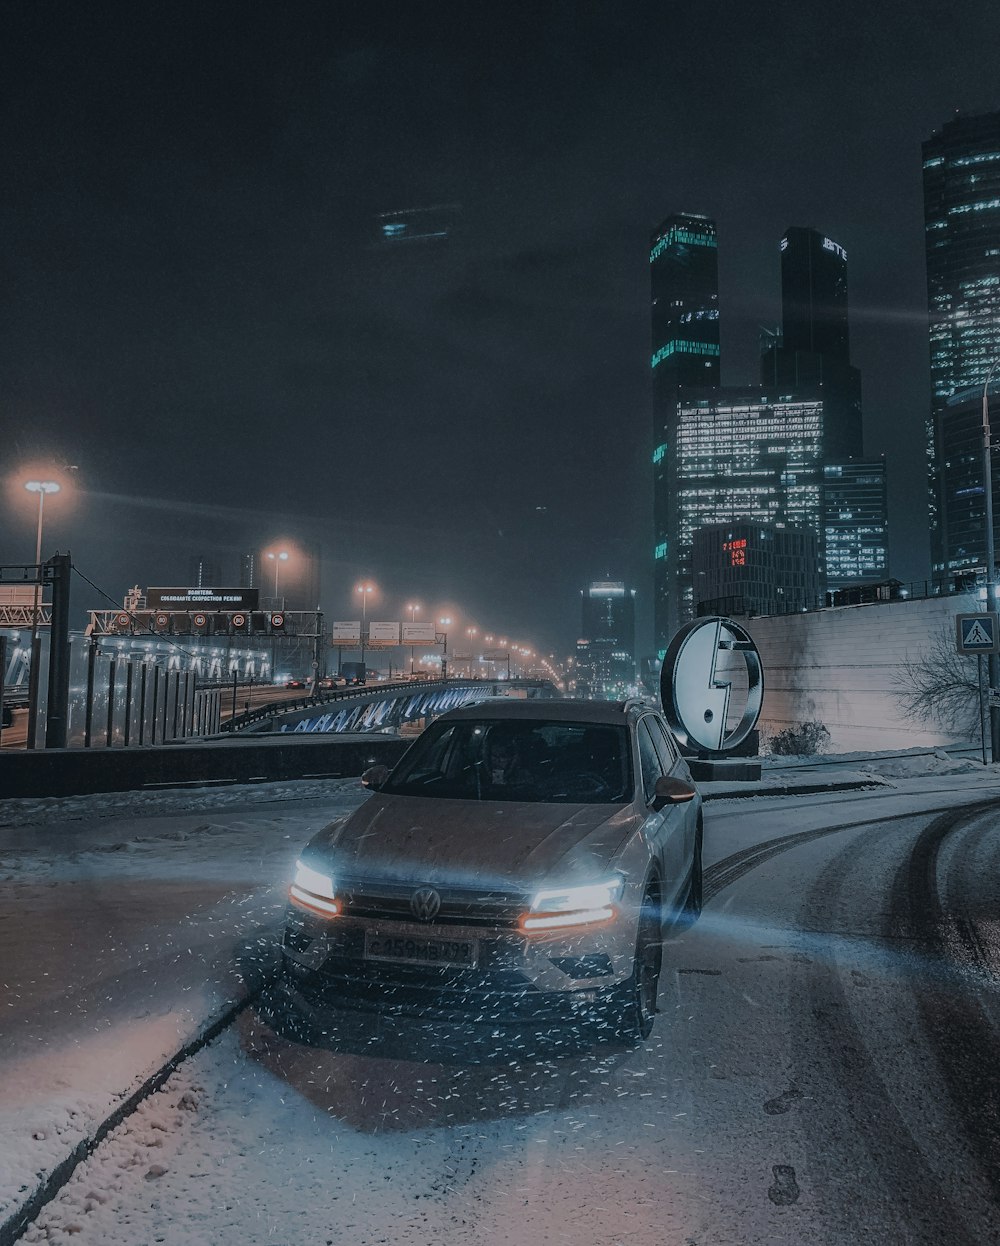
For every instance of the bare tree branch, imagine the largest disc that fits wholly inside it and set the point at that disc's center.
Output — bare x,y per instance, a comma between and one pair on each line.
942,685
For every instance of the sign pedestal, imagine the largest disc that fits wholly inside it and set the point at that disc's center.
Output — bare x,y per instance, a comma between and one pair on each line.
724,769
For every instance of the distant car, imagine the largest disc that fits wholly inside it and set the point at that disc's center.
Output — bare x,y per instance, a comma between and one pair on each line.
295,683
331,681
523,859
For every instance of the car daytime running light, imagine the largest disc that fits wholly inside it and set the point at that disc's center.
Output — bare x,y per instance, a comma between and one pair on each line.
314,891
573,906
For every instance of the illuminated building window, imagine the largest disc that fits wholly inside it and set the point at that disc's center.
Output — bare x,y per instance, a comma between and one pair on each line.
684,346
686,236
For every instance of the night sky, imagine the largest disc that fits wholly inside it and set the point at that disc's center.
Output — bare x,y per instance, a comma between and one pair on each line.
196,309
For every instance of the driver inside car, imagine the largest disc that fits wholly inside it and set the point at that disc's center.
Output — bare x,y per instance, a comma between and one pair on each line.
504,762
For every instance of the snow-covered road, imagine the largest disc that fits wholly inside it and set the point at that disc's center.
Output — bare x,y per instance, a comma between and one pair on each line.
125,922
799,1085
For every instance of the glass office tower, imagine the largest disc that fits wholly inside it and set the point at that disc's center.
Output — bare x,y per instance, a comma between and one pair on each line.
961,536
684,285
855,531
962,238
755,568
813,352
608,622
744,454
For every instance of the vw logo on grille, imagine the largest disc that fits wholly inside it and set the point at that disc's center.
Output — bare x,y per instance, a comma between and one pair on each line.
425,904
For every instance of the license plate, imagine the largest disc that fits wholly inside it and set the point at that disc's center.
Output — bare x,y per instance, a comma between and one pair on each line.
416,950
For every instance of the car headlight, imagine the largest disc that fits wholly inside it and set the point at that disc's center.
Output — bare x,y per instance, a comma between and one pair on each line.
573,906
314,891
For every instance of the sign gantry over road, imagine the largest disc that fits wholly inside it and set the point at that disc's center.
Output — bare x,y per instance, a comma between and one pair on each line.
977,633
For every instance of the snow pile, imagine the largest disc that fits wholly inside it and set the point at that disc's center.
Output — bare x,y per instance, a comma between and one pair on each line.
185,800
914,763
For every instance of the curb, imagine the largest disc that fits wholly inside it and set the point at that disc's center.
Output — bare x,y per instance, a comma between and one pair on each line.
13,1227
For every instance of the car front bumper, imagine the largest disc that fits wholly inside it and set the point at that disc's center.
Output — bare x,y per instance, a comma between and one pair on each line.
555,975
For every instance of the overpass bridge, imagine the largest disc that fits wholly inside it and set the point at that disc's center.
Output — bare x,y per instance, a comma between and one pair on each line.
377,707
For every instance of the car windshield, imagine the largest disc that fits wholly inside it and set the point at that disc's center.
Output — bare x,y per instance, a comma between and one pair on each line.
490,759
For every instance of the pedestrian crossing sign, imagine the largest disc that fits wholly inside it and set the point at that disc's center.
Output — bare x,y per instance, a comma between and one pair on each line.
978,633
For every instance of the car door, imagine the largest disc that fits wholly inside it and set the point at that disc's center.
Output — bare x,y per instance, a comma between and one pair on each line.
666,826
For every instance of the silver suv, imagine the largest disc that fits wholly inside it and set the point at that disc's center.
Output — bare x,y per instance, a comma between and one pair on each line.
523,859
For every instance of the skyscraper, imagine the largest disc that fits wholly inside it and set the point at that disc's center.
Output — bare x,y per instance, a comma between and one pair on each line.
608,621
204,572
814,353
755,568
962,239
814,294
684,273
855,539
684,285
743,454
961,532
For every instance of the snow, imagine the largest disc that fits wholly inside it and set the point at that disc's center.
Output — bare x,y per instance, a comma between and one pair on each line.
127,921
125,924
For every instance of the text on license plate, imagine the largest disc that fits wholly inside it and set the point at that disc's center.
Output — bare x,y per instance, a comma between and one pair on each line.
420,951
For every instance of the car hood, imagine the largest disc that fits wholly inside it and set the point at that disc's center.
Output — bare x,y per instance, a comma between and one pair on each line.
474,843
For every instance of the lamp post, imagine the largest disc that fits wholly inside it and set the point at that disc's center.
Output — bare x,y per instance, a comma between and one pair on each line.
365,589
446,622
413,607
993,661
472,633
41,487
277,557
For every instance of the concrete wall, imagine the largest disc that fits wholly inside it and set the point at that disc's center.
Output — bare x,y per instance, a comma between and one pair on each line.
248,759
843,667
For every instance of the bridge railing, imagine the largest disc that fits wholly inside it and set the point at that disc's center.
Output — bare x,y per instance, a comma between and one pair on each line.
365,692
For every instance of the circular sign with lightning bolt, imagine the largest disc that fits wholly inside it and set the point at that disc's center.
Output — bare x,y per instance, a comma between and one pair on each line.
696,693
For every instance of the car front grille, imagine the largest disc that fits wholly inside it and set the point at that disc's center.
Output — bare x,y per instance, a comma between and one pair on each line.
460,906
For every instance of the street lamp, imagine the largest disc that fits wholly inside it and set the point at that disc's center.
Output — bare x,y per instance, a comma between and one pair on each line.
472,633
277,558
413,607
365,589
41,487
445,622
993,661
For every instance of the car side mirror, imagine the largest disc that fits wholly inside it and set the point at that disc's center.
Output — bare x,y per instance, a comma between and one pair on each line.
671,791
374,777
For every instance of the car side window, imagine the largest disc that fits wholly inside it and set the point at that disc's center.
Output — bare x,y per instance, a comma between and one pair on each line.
649,761
664,745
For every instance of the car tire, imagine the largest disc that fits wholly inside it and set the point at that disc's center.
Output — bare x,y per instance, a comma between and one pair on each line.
691,911
632,1009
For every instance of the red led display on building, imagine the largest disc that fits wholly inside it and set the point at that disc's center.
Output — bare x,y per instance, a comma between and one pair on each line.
737,551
